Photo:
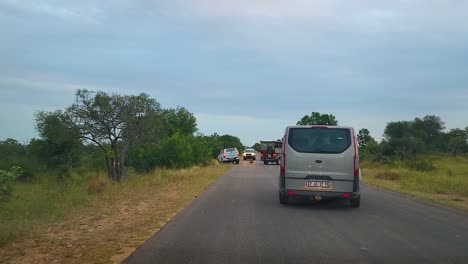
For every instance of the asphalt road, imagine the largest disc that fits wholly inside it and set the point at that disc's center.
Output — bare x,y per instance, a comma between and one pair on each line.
239,220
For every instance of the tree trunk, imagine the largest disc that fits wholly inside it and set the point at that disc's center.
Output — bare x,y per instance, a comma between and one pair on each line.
109,167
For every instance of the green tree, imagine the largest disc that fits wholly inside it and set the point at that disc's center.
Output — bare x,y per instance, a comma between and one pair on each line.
429,129
229,141
113,123
6,180
179,120
60,145
257,146
315,118
457,141
13,153
364,137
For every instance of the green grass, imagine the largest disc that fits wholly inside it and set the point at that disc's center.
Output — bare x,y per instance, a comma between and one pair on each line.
41,201
48,214
446,183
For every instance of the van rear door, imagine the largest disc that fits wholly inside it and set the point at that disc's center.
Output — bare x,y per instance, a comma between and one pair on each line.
320,153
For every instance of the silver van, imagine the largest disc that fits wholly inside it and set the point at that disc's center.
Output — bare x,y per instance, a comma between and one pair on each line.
320,162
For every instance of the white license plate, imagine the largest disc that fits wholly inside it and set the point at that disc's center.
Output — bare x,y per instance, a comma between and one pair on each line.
318,184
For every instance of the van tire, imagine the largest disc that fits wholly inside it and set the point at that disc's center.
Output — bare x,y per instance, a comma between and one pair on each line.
277,162
237,161
283,199
356,202
265,162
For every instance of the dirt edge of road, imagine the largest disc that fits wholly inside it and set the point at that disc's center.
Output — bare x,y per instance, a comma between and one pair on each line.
113,229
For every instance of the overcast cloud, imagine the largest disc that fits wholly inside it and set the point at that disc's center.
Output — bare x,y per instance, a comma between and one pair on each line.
245,67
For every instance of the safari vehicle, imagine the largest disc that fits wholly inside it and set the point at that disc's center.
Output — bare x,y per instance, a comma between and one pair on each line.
320,162
229,155
249,154
270,151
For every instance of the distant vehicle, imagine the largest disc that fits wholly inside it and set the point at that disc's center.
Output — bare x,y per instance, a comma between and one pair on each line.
229,155
249,154
270,151
320,162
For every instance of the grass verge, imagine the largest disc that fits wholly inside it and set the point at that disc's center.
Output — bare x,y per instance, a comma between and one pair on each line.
95,221
446,183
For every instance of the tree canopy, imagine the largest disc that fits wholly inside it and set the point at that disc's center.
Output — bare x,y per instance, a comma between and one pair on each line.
316,118
112,122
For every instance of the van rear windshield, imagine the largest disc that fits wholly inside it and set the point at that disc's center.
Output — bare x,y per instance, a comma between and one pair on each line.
319,140
231,150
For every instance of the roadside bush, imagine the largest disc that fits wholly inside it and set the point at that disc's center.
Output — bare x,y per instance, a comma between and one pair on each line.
176,151
144,158
182,151
6,180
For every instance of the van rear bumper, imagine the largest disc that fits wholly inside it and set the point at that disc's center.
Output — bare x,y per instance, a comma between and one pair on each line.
301,194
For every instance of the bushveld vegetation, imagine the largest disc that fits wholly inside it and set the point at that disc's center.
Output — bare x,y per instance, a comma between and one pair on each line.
119,136
420,158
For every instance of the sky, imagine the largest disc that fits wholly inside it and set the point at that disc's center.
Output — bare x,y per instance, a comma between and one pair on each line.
247,68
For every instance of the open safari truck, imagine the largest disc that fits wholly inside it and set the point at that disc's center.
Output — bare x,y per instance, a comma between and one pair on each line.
270,151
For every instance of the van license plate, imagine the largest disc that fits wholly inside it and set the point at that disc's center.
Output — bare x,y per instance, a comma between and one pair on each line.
318,184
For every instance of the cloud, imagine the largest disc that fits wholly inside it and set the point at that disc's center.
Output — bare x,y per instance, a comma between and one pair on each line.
44,84
82,12
231,62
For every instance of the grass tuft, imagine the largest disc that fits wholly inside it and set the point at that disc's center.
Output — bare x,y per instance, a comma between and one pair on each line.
388,175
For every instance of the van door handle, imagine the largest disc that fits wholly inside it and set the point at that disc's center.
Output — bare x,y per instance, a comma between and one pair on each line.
318,161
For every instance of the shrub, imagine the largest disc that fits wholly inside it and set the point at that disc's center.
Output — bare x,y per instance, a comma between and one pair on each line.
182,151
176,151
6,180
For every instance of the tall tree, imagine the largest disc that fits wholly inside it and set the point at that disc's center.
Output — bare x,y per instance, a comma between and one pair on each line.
457,141
179,120
364,137
60,145
257,146
430,130
112,122
315,118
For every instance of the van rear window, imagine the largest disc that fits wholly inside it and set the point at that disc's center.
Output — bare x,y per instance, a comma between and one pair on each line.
319,140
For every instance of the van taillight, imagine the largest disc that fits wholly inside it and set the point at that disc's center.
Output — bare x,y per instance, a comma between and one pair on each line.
283,157
356,165
224,155
319,126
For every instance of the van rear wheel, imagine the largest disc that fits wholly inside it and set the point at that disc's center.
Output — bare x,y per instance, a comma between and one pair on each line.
356,202
265,162
283,199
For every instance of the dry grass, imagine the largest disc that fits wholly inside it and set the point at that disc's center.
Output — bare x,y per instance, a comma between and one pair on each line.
111,227
446,183
388,175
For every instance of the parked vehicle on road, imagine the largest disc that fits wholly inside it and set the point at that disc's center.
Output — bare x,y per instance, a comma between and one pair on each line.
249,154
229,155
270,151
320,162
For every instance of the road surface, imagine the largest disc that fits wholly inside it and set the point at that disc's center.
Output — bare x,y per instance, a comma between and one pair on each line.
239,220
